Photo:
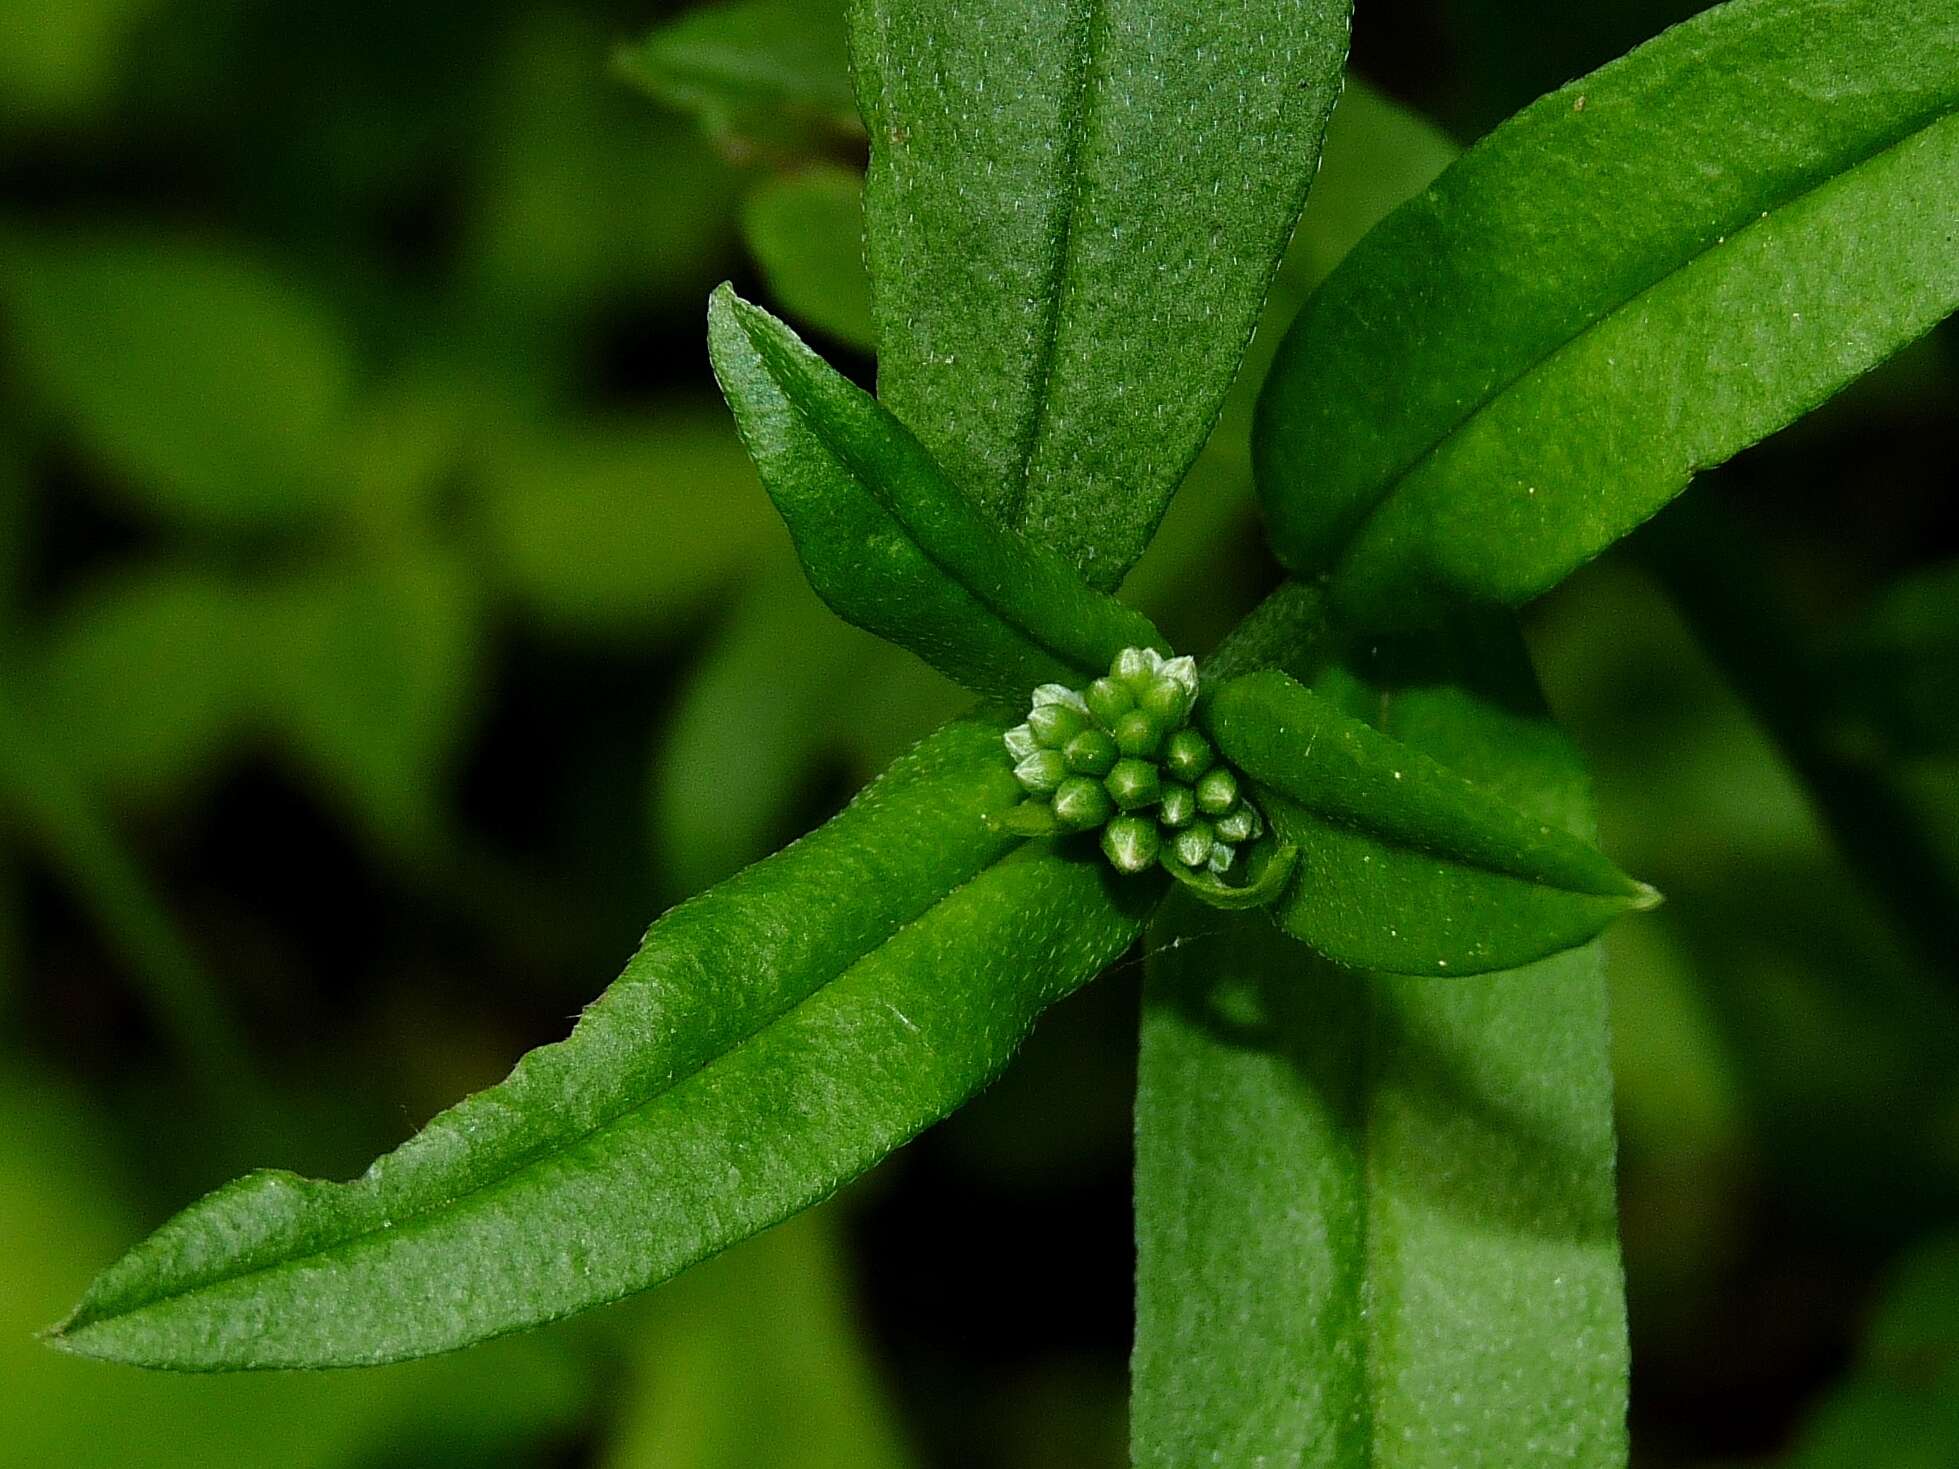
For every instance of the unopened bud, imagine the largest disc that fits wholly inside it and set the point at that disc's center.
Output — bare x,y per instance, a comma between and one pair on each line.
1217,791
1179,805
1188,754
1130,843
1041,772
1055,724
1081,803
1134,784
1090,753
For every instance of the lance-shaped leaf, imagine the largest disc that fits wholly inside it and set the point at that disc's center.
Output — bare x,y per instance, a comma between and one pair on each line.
1631,280
771,1039
1404,864
1374,1215
888,541
1072,215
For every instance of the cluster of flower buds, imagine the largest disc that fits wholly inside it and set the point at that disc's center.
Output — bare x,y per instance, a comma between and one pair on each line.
1122,755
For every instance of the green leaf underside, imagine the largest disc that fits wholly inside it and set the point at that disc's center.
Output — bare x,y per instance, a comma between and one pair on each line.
1073,212
1630,281
1405,865
888,541
771,1039
1375,1215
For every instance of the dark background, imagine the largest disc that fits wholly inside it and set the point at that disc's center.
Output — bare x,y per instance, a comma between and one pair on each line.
392,627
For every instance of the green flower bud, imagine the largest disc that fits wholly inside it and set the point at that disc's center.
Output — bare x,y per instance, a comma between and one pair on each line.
1055,724
1188,754
1041,772
1179,807
1134,784
1138,734
1241,825
1058,693
1193,844
1108,701
1122,756
1090,753
1167,702
1217,791
1136,667
1081,804
1131,843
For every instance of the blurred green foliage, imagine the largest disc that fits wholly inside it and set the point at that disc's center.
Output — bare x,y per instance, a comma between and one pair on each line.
390,624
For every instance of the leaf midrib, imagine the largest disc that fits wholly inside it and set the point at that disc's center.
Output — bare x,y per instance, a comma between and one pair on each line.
1888,143
414,1220
1060,279
866,482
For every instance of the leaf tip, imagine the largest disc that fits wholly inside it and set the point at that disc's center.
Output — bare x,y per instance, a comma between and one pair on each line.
1646,897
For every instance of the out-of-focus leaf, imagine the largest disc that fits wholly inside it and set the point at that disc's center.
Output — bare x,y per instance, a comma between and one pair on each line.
60,63
753,1359
806,231
1404,864
1836,1043
56,1223
780,690
626,527
581,195
146,678
770,1040
1631,280
1375,1215
208,387
1902,852
1379,154
762,75
889,542
364,671
1899,1409
1899,667
1073,214
367,673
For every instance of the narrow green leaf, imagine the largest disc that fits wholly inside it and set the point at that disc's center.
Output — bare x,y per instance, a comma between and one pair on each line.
1375,1215
1631,280
1073,213
205,384
771,1039
1405,865
887,540
760,74
806,231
